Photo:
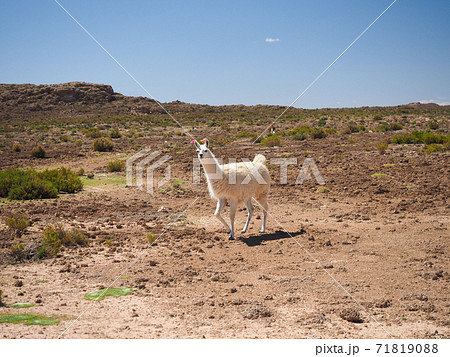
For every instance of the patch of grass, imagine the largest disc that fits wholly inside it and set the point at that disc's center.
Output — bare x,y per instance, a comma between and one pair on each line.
116,166
378,175
179,181
91,181
389,165
271,141
38,152
102,144
28,319
21,305
100,294
322,189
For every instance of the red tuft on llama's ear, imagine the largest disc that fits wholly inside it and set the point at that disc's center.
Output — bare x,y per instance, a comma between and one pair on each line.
193,141
205,140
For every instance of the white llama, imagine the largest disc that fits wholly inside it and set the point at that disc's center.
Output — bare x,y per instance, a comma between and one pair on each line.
236,182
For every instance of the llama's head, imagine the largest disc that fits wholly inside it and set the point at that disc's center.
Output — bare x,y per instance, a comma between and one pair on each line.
202,149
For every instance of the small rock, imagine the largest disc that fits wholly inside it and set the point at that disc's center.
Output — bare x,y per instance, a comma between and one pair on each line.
18,283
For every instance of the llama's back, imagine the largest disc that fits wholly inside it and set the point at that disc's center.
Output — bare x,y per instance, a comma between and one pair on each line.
242,181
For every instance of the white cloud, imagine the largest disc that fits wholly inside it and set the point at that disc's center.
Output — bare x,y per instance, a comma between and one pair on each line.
270,39
440,102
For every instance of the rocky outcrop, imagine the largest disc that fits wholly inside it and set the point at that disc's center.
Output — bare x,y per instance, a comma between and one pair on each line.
38,96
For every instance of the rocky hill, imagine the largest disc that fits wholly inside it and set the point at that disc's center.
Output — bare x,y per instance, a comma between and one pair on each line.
78,99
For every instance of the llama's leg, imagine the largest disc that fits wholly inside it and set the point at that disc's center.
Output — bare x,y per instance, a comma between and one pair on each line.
263,202
233,208
220,205
250,211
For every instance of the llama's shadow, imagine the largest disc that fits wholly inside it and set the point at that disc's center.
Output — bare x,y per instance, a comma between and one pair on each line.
257,240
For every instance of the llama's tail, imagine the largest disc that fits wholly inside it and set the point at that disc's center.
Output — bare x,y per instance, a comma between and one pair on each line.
260,159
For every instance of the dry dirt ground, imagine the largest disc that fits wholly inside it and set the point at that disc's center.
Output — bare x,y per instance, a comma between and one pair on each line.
373,245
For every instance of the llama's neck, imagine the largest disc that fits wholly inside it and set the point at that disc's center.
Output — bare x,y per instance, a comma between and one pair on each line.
212,168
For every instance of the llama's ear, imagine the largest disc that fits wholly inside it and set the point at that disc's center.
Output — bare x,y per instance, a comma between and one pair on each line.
197,145
206,142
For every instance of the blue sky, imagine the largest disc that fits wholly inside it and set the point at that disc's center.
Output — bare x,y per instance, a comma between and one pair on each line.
216,52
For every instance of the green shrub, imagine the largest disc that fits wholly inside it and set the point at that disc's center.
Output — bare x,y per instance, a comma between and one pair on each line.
243,134
18,223
93,133
434,125
304,129
322,121
64,138
28,187
56,236
430,138
429,149
38,152
18,253
256,138
377,117
351,128
18,184
16,147
78,142
102,144
381,147
51,244
270,141
299,136
417,137
115,134
319,133
80,172
116,165
361,128
395,126
64,179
